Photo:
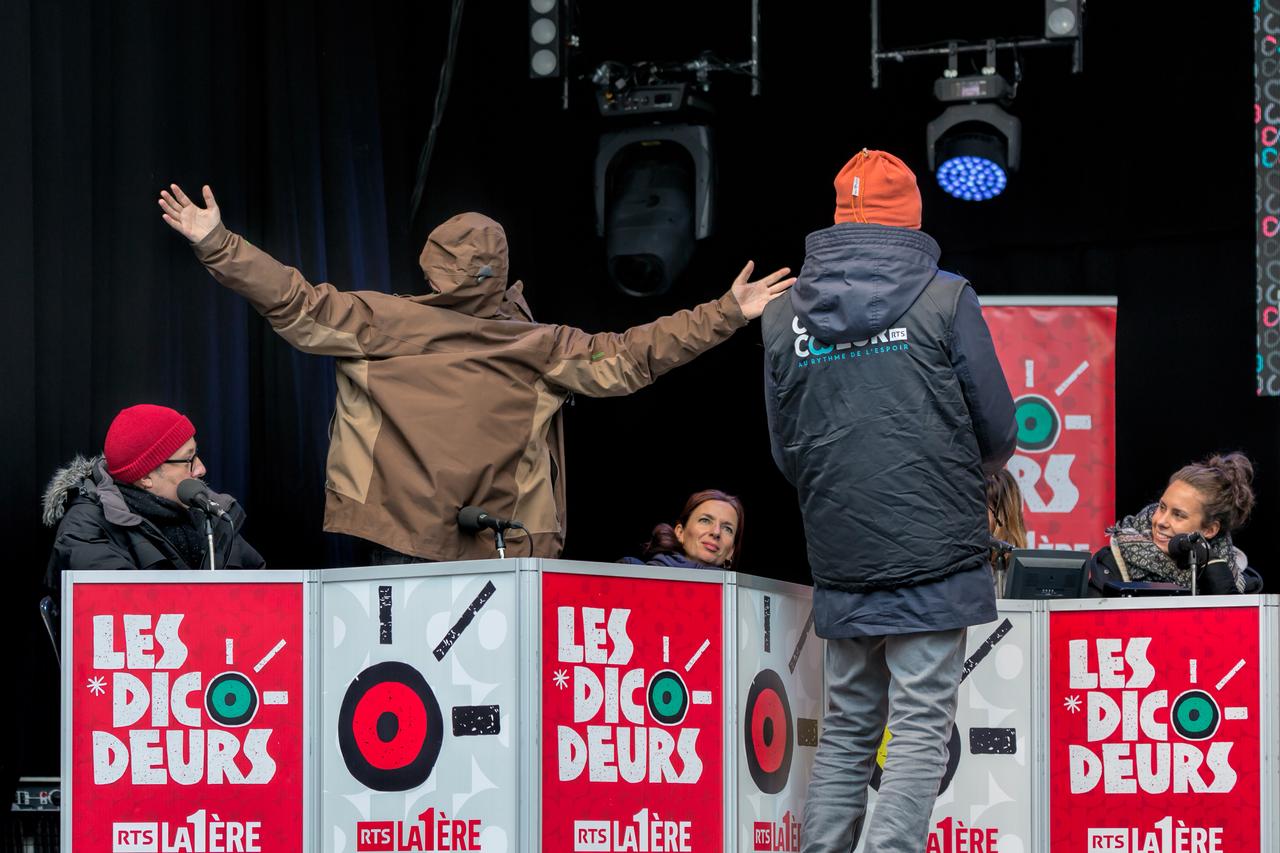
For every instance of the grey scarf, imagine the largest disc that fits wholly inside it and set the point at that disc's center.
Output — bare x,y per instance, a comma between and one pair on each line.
1141,560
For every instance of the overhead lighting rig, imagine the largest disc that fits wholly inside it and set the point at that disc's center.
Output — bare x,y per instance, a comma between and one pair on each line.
655,161
975,144
655,170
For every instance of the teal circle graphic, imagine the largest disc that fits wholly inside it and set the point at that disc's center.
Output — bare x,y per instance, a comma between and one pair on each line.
1038,423
231,699
1194,715
668,698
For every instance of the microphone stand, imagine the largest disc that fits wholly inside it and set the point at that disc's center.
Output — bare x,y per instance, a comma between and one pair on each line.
208,532
499,541
1191,558
473,519
1195,543
1003,551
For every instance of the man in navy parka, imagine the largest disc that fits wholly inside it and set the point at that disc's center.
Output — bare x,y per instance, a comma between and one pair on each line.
887,407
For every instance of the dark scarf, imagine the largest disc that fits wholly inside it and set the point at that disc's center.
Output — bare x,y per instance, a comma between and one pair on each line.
173,520
1139,556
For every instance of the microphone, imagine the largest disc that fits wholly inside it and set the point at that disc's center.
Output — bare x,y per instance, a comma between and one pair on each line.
194,493
1000,546
1190,543
473,519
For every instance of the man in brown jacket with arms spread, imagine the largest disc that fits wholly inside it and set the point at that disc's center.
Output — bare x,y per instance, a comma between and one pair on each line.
453,398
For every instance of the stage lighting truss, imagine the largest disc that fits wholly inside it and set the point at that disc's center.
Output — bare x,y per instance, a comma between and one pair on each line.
555,48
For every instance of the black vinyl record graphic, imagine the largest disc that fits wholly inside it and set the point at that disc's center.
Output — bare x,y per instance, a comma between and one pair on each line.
768,733
1194,715
1038,423
953,762
668,698
231,700
390,728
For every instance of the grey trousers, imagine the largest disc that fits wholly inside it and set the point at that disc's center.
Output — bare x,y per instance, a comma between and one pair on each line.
909,681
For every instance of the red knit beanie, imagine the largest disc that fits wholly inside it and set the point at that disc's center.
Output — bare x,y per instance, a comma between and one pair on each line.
877,187
141,437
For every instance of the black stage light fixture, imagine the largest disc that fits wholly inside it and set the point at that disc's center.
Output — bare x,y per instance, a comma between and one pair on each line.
1062,18
546,53
973,147
653,189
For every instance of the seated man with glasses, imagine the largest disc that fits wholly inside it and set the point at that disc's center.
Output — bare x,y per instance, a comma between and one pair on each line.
121,510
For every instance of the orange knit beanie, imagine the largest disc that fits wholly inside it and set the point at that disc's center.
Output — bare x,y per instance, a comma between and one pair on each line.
877,187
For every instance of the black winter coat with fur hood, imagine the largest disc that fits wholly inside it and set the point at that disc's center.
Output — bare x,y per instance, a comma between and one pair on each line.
98,530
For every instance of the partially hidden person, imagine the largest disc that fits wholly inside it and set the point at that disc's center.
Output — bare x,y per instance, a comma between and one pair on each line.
707,534
1005,521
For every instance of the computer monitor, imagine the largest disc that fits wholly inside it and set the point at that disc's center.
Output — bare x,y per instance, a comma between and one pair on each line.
1044,573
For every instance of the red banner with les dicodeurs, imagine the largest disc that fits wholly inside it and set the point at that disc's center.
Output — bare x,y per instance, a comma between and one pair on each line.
632,715
187,717
1059,360
1155,731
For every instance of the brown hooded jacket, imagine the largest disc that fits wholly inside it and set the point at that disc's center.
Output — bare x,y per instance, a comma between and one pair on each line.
453,398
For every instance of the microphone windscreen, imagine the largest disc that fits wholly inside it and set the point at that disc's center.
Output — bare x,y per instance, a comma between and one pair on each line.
469,518
189,489
1183,543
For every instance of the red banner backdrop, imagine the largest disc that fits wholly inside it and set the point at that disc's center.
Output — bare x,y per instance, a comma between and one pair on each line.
632,715
1059,361
1154,733
188,709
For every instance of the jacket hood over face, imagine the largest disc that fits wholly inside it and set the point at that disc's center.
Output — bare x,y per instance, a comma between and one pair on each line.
465,265
859,278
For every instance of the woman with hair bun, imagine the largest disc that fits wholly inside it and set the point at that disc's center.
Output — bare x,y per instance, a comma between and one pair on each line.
707,534
1212,498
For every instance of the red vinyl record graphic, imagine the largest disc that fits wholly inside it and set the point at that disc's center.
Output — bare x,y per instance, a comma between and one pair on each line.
390,728
769,732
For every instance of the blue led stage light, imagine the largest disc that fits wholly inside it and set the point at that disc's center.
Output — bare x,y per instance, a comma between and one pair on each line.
973,148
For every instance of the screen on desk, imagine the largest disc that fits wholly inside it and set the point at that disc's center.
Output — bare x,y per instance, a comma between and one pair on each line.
1046,574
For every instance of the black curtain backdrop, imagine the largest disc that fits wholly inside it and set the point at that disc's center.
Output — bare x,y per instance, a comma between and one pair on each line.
307,119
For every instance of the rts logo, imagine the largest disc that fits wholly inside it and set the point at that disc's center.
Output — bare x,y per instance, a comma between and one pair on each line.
202,832
1108,840
646,832
430,832
784,835
1165,836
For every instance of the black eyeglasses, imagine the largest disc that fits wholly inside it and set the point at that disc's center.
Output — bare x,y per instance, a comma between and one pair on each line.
189,462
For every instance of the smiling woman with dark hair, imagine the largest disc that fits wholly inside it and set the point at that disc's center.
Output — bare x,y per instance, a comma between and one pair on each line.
708,534
1212,498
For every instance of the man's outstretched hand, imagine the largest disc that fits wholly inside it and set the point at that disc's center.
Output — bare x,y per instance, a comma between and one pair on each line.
752,296
191,221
